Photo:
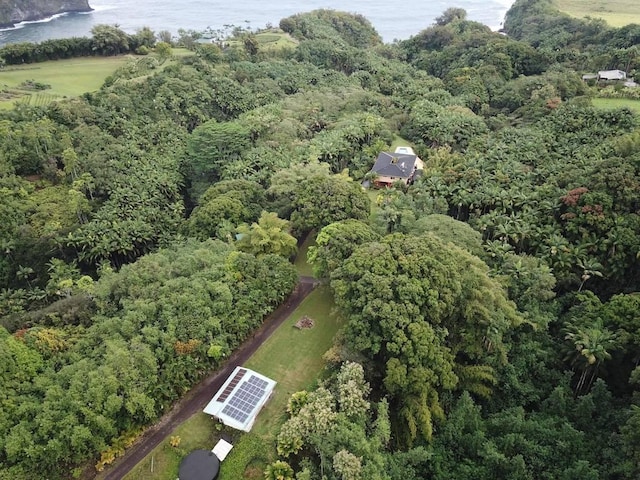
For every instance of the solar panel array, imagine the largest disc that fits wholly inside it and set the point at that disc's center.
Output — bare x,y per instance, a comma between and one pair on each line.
245,399
232,384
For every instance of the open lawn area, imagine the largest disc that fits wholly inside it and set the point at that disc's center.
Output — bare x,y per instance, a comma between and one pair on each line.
609,103
198,432
616,13
290,356
67,78
398,141
302,266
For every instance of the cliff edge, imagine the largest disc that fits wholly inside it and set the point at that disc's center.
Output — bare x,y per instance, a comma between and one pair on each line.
16,11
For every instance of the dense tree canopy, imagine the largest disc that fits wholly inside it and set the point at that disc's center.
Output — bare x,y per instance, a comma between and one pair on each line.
491,305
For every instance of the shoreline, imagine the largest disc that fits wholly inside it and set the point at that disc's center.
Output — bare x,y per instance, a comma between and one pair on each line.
390,25
41,19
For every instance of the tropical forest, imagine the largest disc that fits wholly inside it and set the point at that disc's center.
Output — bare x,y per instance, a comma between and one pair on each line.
489,308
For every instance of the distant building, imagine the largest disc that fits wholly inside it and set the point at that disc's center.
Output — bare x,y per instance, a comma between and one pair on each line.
612,75
403,165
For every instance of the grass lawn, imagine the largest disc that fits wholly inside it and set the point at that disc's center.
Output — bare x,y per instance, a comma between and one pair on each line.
275,40
68,78
398,141
301,264
163,462
616,13
270,40
609,103
290,356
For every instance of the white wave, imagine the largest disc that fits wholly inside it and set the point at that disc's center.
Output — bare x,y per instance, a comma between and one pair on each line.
20,25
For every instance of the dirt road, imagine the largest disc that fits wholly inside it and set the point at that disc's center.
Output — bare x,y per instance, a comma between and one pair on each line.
200,395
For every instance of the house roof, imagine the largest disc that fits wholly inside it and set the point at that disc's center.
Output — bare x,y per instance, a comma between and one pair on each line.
399,165
241,398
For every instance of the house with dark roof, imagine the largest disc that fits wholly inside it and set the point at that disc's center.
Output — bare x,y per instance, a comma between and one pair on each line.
398,166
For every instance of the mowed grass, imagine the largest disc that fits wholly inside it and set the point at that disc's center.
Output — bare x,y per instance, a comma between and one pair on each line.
616,13
163,462
269,40
611,103
293,357
398,141
290,356
68,78
275,39
302,265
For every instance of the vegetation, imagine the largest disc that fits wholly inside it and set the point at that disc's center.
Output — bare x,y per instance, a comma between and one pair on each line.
490,308
616,13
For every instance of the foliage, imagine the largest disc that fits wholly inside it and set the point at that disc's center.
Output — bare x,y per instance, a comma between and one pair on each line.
110,309
268,236
407,299
132,362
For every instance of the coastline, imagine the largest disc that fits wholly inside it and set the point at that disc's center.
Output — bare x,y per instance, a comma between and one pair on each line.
42,18
130,17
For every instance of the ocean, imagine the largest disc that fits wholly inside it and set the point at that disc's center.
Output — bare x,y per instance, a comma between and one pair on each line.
399,21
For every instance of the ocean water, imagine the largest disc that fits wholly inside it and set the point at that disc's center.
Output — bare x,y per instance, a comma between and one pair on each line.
391,20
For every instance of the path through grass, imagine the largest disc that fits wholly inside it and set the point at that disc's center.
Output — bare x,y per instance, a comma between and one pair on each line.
290,356
163,462
616,13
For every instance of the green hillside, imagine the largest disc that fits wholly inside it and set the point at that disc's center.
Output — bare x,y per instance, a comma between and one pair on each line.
616,13
484,293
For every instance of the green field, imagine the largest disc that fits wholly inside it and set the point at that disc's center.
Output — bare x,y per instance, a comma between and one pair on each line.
398,141
163,462
290,356
616,13
269,40
301,264
610,103
68,78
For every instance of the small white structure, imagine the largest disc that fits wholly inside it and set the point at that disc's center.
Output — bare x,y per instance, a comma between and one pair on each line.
241,398
612,75
405,150
222,449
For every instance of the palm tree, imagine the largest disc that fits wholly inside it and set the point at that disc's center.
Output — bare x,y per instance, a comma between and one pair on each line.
590,268
588,348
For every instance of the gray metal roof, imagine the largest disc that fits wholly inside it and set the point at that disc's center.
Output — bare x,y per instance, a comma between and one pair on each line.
399,165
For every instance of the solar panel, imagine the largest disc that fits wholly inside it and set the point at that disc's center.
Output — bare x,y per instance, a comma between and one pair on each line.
245,398
232,384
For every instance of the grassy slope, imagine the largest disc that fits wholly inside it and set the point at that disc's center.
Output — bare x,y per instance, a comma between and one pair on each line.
616,13
68,78
608,103
290,356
